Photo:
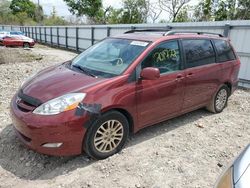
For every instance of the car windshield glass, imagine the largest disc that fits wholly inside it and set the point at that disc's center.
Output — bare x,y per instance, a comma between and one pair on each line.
109,57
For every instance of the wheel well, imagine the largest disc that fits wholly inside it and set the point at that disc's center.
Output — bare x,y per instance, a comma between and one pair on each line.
229,85
128,116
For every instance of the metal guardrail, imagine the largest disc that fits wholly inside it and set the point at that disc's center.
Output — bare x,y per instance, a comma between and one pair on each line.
78,38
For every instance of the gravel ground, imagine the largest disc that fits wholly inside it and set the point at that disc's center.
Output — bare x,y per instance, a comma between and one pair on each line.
188,151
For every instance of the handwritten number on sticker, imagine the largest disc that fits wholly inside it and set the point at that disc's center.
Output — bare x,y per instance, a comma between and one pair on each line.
165,55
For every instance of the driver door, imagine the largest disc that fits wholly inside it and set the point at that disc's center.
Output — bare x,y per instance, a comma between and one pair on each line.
160,99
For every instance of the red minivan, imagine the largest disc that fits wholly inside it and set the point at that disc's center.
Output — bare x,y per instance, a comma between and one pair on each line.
121,85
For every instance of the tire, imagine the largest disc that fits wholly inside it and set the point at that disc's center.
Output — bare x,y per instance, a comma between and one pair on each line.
219,101
26,45
114,129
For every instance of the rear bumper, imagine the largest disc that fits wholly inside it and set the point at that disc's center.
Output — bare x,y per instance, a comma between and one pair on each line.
234,86
36,130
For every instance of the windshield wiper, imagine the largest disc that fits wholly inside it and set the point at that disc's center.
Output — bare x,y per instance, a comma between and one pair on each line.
85,70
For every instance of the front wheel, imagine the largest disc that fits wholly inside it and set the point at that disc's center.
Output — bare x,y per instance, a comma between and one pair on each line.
107,135
219,101
26,45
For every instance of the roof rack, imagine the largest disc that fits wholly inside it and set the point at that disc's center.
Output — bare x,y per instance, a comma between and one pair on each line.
149,30
192,32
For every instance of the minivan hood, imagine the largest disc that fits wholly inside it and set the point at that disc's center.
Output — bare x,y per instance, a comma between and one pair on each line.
56,81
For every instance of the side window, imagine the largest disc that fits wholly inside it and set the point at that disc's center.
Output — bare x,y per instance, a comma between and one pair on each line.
165,57
224,50
198,52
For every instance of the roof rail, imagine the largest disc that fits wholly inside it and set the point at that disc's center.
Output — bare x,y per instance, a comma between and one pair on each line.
149,30
192,32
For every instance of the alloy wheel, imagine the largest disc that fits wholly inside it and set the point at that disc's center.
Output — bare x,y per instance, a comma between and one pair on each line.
108,136
221,99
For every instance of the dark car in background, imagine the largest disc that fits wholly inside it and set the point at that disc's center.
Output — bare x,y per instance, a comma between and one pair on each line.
121,85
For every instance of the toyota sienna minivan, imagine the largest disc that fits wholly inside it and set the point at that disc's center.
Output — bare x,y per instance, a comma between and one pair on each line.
121,85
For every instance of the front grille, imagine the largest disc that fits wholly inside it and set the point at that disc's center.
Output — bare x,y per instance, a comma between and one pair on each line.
27,103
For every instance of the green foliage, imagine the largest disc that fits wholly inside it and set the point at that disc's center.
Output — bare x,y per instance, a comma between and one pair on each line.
182,16
134,11
222,10
114,16
26,6
90,8
204,11
243,10
20,12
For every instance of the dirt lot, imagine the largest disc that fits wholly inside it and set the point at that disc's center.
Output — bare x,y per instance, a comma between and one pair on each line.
188,151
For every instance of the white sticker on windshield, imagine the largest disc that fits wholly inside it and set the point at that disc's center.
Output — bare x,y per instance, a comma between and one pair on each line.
139,43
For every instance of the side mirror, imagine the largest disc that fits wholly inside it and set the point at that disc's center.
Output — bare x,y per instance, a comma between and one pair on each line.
150,73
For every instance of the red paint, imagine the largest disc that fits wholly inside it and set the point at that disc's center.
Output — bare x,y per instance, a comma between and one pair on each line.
17,41
146,101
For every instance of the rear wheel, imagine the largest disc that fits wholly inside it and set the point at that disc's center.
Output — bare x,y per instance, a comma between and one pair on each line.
107,135
26,45
219,101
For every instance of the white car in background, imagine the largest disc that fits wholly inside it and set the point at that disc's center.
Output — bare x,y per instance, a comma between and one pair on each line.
10,33
237,175
4,34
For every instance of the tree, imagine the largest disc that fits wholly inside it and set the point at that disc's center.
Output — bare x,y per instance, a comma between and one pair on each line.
39,15
172,7
114,16
226,10
204,10
53,19
23,6
134,11
4,7
243,10
89,8
183,16
154,10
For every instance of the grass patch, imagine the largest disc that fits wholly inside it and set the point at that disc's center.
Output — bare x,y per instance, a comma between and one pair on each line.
14,55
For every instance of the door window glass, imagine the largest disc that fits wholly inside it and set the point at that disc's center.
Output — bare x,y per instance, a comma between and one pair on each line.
165,57
198,52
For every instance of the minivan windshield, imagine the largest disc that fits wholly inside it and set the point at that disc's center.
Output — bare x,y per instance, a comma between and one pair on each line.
109,57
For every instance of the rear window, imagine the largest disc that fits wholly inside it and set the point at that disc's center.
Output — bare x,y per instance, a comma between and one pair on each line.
224,50
198,52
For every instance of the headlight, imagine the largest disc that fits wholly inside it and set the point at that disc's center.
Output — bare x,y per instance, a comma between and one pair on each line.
61,104
226,180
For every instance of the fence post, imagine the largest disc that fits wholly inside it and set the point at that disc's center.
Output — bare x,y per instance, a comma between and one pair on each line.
32,34
92,36
57,33
40,34
77,38
36,32
108,31
51,37
45,35
66,37
227,28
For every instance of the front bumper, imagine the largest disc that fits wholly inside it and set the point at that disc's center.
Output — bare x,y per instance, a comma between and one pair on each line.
36,130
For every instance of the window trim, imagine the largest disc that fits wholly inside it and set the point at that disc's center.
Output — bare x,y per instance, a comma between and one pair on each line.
184,54
138,67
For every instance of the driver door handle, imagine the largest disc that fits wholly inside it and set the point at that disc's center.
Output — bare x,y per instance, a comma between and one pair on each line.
179,77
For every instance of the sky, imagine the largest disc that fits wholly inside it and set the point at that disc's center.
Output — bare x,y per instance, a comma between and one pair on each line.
62,9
